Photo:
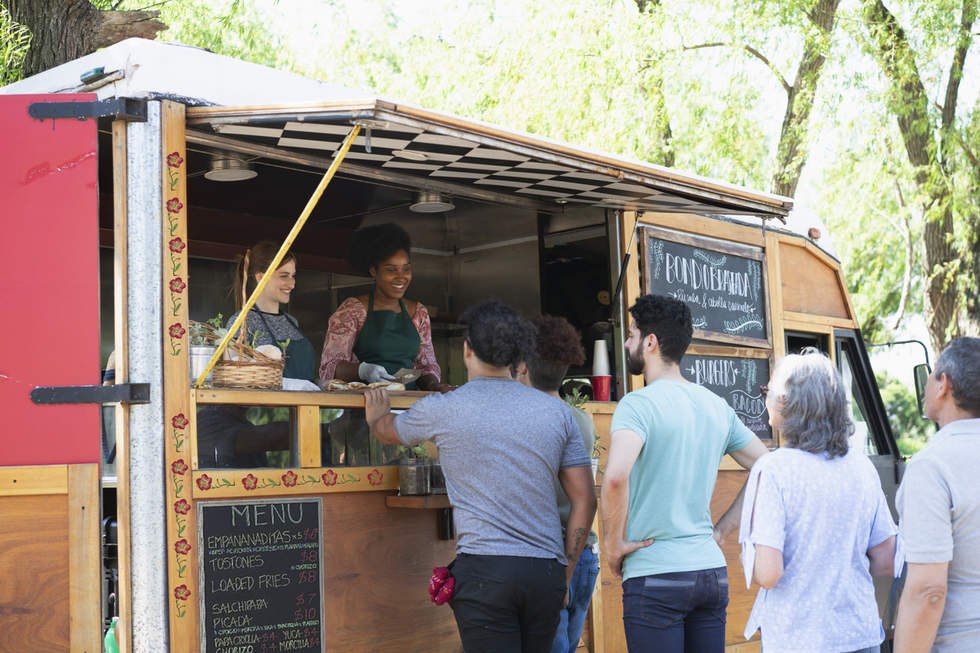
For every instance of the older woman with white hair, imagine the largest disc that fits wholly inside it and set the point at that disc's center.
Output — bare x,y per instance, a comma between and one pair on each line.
815,523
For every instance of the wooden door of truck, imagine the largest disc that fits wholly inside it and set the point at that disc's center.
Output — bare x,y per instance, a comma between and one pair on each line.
49,336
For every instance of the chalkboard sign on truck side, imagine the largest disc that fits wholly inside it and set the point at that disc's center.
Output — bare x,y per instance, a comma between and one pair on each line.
735,375
723,283
261,575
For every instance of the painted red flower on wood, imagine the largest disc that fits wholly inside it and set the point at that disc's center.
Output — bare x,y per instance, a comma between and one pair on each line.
174,159
182,507
177,285
330,478
249,482
174,205
181,593
204,482
289,479
182,547
179,421
375,477
176,330
177,245
179,466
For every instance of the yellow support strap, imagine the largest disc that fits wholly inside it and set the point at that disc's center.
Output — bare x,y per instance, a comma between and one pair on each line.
338,158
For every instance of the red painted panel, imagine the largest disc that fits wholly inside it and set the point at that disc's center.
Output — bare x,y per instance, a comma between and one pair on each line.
49,284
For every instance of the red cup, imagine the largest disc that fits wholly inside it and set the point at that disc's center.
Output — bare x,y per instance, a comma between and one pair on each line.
600,387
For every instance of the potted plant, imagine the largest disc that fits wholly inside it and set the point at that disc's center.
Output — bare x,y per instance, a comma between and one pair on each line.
203,336
414,470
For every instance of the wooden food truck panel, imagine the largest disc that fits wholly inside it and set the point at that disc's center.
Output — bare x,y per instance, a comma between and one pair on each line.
375,584
50,562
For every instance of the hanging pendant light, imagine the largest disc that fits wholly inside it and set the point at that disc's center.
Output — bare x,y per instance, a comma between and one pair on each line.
225,167
429,201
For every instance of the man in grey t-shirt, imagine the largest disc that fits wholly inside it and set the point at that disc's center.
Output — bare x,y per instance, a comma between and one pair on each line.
939,514
501,446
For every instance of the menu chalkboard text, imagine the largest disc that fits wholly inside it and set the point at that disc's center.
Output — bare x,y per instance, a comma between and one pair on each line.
736,380
722,283
260,580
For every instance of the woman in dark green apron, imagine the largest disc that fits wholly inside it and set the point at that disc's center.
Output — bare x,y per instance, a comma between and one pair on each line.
371,337
266,324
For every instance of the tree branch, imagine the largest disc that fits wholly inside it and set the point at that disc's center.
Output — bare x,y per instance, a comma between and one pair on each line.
751,50
967,16
791,152
909,258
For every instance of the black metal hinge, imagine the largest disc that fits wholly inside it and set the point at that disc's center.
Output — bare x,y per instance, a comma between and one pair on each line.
126,109
122,393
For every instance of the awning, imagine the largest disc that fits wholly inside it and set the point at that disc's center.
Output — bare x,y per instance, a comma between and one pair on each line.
418,148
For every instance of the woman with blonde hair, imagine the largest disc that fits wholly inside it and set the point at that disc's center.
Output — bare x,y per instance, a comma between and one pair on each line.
815,523
266,323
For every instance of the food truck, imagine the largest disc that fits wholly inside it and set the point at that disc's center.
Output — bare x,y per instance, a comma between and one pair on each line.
133,178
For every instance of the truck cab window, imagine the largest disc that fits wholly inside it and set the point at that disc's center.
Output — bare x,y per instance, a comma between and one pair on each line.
861,438
872,434
797,340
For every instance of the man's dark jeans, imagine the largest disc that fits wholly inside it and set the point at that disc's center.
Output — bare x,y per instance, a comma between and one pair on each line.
507,603
680,612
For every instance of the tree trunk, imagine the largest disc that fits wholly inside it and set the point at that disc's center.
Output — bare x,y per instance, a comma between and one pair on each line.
909,103
791,153
63,30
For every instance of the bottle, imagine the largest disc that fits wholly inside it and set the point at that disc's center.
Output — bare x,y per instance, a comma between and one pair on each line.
111,646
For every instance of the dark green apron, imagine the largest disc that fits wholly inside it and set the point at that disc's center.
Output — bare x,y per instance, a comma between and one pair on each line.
301,360
388,339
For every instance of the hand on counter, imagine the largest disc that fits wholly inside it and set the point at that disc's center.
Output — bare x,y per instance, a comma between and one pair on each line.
377,404
377,412
372,373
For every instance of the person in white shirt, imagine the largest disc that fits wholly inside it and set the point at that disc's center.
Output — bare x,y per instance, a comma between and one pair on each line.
815,523
939,514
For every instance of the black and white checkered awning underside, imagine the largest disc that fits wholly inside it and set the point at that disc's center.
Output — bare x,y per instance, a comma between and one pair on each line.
466,163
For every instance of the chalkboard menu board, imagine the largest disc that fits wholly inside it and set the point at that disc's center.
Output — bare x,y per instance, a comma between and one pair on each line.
737,381
723,284
260,575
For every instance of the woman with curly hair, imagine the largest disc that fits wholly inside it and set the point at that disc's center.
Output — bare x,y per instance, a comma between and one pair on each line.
817,526
557,346
372,336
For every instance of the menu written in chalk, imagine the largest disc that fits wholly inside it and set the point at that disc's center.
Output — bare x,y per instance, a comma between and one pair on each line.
260,580
737,381
724,290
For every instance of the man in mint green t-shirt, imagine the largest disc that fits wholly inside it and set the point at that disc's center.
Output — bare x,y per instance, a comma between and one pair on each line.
667,441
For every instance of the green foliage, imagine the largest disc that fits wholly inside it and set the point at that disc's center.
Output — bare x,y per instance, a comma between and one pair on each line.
415,452
911,430
234,28
576,398
14,42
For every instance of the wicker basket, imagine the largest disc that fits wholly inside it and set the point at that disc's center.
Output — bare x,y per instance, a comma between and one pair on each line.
248,374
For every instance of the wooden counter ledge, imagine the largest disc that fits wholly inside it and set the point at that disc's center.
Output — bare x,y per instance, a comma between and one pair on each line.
427,501
331,399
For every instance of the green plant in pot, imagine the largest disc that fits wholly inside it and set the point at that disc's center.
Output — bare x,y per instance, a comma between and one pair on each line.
414,471
203,338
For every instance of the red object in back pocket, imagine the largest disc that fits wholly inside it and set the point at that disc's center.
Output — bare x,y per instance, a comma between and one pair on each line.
445,592
441,585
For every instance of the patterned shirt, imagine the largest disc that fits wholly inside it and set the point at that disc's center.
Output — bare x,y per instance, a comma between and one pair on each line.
824,514
344,327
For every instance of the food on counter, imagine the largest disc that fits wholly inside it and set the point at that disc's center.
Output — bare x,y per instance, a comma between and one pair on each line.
271,351
390,386
340,384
